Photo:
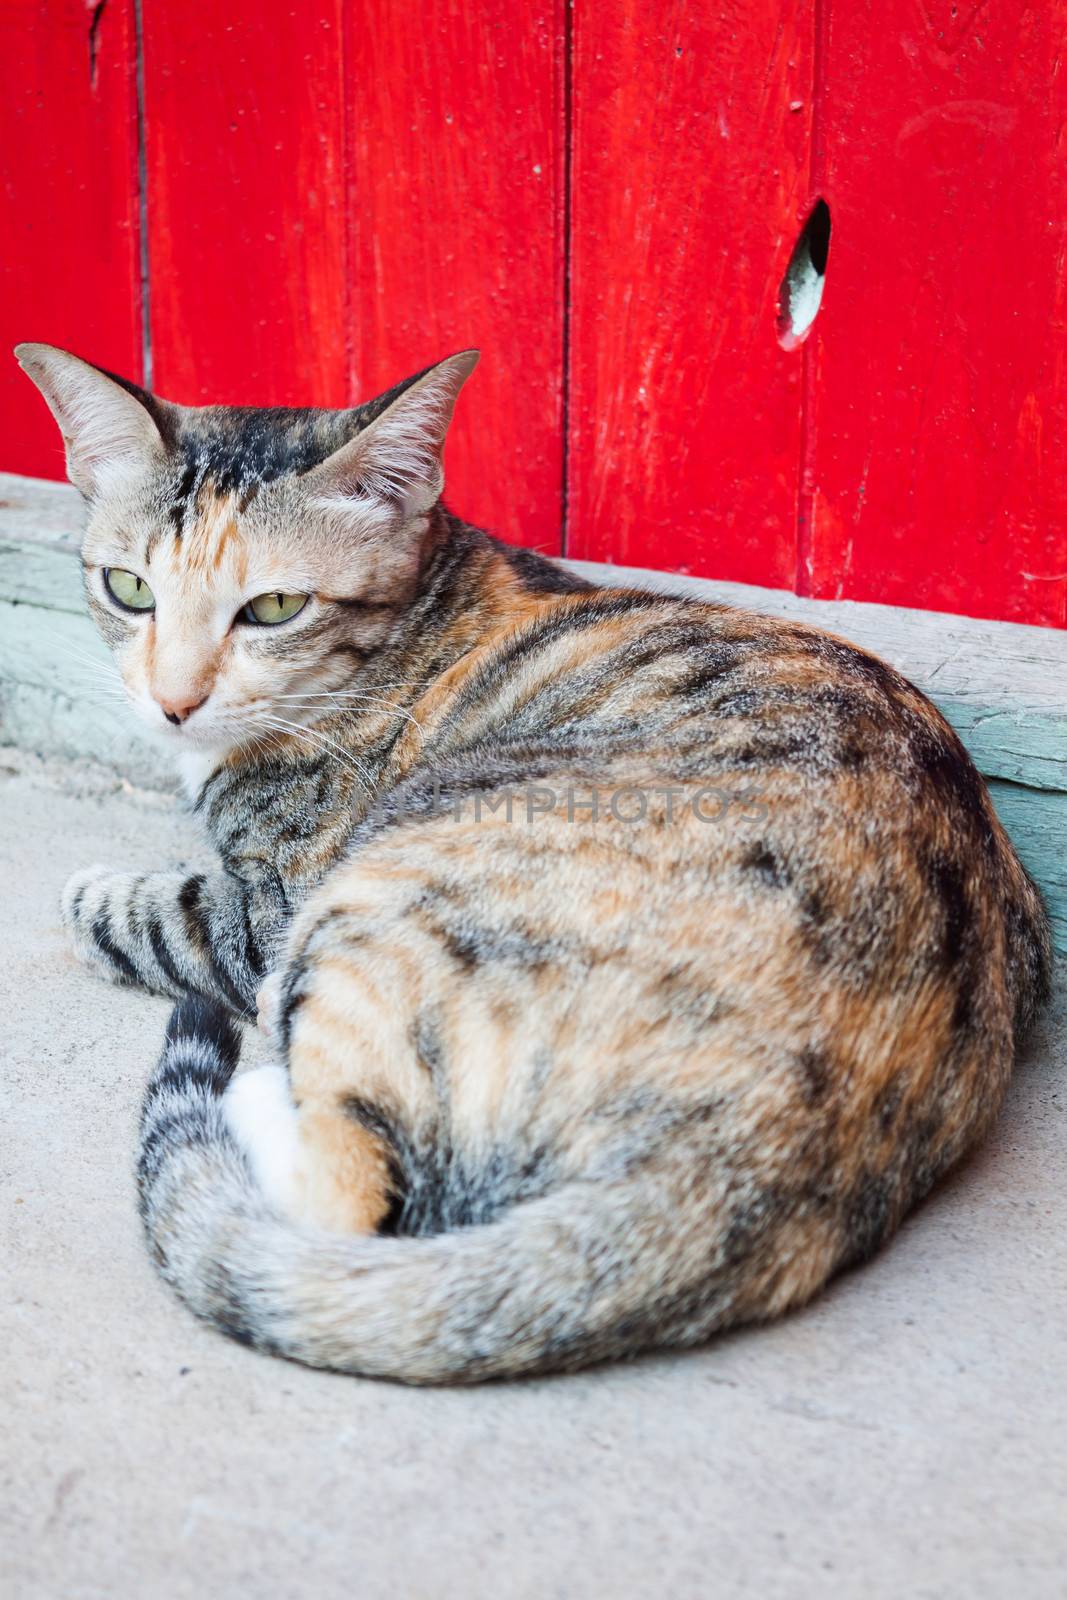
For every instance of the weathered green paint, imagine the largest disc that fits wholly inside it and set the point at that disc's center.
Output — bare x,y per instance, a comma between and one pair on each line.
41,575
1036,822
60,697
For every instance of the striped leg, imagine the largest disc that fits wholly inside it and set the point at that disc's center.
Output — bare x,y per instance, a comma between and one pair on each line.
175,932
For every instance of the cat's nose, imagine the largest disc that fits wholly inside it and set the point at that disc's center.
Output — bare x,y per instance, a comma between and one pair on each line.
176,711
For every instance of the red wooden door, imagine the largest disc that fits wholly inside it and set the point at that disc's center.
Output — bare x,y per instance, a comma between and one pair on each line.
605,199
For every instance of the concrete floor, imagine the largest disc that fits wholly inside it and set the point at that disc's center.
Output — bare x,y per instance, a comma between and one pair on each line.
906,1436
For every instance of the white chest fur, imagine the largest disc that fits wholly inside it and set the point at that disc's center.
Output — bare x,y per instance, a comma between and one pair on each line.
195,768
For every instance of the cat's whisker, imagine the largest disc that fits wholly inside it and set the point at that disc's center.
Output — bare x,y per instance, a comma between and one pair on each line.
91,675
398,683
297,730
87,671
328,746
90,669
355,698
93,687
74,686
70,648
98,682
86,663
339,694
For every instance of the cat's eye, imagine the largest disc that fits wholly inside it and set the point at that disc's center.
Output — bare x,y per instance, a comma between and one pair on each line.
269,609
128,589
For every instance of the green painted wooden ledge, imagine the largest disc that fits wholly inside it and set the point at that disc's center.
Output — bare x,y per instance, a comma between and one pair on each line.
1001,685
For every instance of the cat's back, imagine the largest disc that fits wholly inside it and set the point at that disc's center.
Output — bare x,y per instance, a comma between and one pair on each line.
782,764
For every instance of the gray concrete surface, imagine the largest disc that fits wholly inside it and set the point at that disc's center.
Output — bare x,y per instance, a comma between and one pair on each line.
905,1436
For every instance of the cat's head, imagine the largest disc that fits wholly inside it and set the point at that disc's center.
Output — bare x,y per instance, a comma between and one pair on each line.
239,562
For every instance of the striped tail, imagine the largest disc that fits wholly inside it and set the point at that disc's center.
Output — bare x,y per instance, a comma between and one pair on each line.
533,1291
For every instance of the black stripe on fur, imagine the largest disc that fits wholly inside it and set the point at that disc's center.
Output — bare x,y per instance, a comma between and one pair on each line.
198,1021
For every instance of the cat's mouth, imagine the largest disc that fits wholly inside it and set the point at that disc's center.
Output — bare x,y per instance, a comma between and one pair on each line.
223,729
203,728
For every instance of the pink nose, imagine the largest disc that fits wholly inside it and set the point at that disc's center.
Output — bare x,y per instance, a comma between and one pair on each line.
176,711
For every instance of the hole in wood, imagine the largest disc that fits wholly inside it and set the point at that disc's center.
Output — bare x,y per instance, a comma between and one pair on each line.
800,295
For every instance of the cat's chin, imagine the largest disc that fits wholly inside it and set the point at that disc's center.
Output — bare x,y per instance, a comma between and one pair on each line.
195,752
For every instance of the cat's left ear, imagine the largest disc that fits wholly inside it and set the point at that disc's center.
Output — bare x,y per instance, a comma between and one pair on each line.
105,422
394,463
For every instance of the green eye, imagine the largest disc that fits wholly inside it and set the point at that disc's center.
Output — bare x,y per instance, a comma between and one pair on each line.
267,609
128,589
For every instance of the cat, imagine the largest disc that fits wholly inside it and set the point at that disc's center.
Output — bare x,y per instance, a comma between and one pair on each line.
633,964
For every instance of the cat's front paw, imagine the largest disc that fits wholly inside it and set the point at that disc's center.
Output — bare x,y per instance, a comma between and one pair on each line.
85,906
78,893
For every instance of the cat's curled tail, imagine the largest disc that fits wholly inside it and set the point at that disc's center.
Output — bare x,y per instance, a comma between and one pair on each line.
557,1282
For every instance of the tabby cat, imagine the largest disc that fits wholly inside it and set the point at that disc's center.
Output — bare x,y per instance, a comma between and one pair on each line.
634,964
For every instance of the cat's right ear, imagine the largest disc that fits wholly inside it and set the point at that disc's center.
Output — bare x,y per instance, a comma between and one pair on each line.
392,468
104,426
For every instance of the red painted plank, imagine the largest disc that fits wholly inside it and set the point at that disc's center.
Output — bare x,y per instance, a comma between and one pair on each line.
690,182
457,140
246,232
70,262
939,421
